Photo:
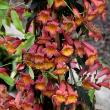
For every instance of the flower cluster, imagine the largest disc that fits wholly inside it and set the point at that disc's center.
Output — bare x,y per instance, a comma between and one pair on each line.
42,75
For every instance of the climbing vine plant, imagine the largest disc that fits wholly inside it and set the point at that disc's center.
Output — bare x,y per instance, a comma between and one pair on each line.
46,61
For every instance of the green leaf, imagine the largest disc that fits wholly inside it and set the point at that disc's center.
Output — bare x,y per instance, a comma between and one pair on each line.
16,20
24,45
83,94
4,4
50,3
14,71
2,14
7,79
0,23
91,94
27,14
31,72
29,42
7,21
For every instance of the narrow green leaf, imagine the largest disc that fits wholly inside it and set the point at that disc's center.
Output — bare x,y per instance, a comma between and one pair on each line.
52,75
29,42
31,72
7,21
2,14
7,79
16,20
0,23
24,45
91,94
14,71
27,14
4,4
50,3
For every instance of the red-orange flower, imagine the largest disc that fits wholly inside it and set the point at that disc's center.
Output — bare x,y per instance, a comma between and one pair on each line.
94,67
43,39
60,59
39,66
91,15
33,49
26,106
95,36
100,5
104,71
24,82
68,38
105,84
51,50
72,95
89,49
59,3
38,58
60,95
87,84
52,27
49,90
91,12
67,50
91,60
78,17
3,93
40,83
2,41
10,48
80,51
68,26
61,69
48,64
43,16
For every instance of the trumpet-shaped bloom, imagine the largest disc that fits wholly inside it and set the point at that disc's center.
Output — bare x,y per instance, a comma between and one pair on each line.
80,52
48,64
44,38
10,48
33,49
100,5
44,16
67,50
40,83
68,26
24,82
49,90
38,58
52,27
51,50
105,84
87,84
89,49
104,71
95,36
68,38
91,60
59,3
61,69
72,95
78,17
60,59
60,94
